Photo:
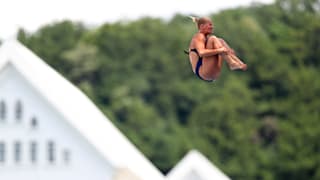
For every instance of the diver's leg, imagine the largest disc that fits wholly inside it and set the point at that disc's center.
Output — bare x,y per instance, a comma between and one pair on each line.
212,65
232,55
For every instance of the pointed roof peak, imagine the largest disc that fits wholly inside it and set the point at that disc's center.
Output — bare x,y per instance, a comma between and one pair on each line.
197,164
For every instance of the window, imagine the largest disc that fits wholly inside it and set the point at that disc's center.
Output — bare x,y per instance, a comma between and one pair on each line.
2,152
2,111
17,152
34,123
33,151
51,151
66,156
18,111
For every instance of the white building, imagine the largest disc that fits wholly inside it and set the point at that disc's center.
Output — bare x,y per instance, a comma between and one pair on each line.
50,130
194,166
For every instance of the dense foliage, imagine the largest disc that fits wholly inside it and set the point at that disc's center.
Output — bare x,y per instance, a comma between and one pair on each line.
259,124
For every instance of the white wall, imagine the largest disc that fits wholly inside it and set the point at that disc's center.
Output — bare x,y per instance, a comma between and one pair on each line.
85,162
192,175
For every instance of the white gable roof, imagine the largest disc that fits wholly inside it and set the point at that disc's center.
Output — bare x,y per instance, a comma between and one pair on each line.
196,167
78,110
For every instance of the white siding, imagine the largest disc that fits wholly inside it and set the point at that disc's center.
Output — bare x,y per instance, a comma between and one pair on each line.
85,162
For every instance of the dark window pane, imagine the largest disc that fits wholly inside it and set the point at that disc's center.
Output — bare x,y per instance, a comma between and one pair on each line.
17,151
2,111
66,156
2,152
18,110
33,152
51,151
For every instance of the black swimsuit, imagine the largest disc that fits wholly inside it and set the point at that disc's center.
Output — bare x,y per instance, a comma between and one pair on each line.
199,64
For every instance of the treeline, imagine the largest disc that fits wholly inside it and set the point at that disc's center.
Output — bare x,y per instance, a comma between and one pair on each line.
259,124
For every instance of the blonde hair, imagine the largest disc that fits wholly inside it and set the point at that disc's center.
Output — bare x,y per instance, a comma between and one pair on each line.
199,20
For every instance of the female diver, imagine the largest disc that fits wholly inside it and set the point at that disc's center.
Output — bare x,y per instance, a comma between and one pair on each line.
207,52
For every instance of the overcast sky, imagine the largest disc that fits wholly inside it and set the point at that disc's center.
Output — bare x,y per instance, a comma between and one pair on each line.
31,14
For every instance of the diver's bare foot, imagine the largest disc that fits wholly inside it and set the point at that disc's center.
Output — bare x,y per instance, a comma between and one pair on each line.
244,67
238,66
235,66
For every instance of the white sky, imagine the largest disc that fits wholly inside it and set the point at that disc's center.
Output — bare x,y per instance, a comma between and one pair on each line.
31,14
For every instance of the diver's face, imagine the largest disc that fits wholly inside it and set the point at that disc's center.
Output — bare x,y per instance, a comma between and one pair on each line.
207,28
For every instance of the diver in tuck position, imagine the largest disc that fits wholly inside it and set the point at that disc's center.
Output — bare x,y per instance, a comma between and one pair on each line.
207,52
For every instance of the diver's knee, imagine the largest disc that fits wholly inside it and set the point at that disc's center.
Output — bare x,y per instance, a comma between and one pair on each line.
211,38
214,41
211,42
